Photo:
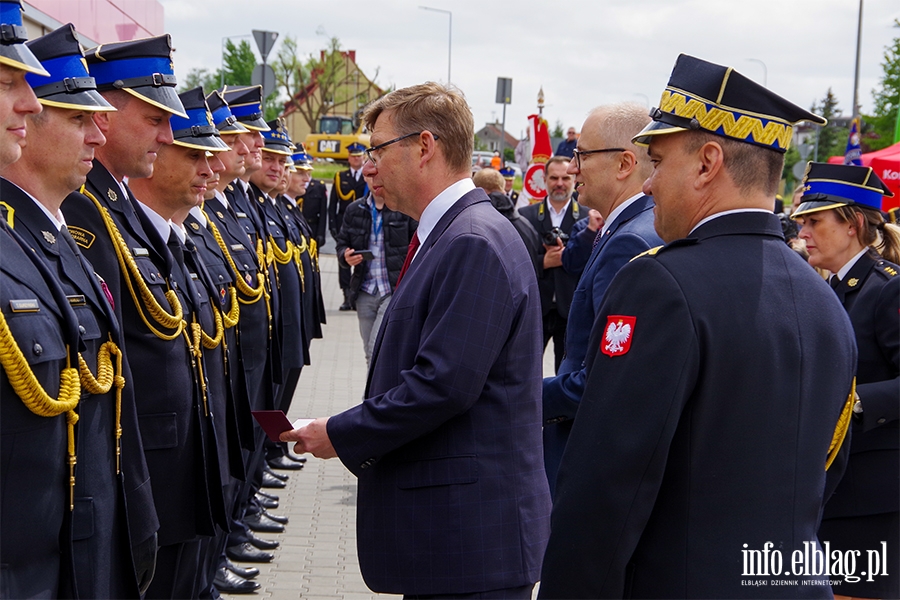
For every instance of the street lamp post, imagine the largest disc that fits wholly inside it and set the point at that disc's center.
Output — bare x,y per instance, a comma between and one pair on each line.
765,70
449,36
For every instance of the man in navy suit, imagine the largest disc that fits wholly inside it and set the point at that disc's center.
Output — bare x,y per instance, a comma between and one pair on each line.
446,445
609,171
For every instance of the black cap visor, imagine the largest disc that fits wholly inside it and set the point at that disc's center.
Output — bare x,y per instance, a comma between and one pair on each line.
164,97
19,56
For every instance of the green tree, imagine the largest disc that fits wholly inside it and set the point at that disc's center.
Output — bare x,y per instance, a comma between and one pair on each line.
331,85
509,154
832,140
558,130
887,98
239,62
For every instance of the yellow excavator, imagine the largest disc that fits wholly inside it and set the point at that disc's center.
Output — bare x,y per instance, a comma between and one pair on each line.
334,134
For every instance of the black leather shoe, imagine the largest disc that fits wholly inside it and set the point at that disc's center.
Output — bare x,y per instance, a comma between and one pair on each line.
283,462
270,481
295,458
260,523
266,502
245,572
281,476
268,495
231,583
262,544
276,518
345,306
247,553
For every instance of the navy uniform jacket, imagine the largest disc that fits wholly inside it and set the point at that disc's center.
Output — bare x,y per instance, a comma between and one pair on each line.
706,425
166,390
315,209
871,485
213,281
446,445
347,185
249,373
557,285
313,305
293,351
34,497
631,234
101,550
249,214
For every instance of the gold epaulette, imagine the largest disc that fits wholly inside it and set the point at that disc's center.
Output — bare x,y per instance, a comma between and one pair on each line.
650,252
351,195
107,376
842,427
132,276
35,398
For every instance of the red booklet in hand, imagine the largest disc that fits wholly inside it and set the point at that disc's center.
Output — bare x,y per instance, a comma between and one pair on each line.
275,422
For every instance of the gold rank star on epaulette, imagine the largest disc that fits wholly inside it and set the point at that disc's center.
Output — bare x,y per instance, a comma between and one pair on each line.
650,252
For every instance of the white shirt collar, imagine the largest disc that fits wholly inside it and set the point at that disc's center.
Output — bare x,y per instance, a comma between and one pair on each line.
557,217
846,268
221,198
730,212
611,219
161,225
440,205
58,220
179,231
197,213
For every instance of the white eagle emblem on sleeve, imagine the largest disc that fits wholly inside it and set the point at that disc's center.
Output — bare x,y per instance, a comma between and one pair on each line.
617,338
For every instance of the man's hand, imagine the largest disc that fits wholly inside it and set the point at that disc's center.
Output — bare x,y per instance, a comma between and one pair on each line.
553,256
352,257
595,221
312,438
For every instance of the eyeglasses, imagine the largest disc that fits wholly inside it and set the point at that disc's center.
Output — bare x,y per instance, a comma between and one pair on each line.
577,154
370,152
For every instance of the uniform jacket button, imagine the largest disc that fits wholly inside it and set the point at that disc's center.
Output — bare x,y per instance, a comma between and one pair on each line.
38,349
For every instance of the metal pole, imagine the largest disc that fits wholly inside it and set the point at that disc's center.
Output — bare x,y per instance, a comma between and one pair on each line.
856,74
503,138
449,37
765,71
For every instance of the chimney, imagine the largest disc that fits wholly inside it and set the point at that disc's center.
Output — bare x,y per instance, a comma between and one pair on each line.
352,54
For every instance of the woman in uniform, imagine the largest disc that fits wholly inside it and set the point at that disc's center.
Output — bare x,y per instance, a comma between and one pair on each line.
845,233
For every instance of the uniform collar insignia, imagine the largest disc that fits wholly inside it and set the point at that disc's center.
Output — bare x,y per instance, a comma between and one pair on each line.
219,214
852,282
51,239
112,195
195,226
230,188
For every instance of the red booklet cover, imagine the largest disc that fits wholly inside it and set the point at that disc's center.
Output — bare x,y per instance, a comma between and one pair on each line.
275,422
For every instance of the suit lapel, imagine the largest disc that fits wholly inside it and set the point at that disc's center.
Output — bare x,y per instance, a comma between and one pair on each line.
633,210
469,199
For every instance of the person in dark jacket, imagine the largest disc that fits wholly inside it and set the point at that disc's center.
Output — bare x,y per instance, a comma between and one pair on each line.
493,182
369,225
845,232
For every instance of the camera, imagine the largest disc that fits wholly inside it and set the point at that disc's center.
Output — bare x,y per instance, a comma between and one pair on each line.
555,234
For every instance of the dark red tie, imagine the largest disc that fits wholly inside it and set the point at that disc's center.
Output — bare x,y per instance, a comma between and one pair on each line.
413,246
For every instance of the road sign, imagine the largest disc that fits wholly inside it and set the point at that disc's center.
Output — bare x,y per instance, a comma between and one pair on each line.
504,90
264,75
265,41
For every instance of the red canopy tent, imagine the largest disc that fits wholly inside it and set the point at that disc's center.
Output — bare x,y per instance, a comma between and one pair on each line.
886,164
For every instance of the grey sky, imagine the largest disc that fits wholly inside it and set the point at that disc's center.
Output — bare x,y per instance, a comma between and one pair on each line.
582,53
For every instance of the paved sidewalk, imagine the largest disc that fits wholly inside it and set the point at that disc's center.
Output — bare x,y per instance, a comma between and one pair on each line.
317,557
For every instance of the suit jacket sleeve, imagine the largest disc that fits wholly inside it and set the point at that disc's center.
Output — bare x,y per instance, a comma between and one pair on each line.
879,398
578,248
563,392
469,314
602,506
